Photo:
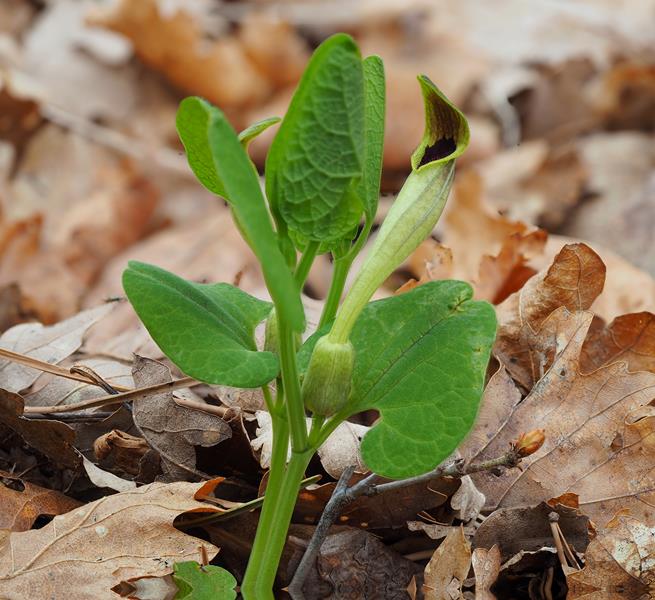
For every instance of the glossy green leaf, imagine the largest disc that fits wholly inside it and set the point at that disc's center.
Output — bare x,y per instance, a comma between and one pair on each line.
197,582
369,185
316,158
420,359
206,330
220,162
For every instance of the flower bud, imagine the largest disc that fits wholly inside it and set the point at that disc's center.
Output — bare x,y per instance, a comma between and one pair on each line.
417,208
529,443
326,387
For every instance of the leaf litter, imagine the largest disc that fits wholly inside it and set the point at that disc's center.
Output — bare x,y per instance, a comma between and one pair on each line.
90,177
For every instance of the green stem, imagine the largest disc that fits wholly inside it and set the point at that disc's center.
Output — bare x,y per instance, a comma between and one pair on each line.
305,264
341,268
276,477
291,381
276,533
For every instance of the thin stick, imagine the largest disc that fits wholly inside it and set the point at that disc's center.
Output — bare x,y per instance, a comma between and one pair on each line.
343,495
40,365
116,398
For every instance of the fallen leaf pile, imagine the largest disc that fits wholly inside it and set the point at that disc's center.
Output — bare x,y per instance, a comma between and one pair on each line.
551,219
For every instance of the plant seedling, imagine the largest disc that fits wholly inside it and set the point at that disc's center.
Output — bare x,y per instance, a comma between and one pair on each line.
418,358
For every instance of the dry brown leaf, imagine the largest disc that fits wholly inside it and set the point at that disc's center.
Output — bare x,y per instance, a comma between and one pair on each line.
489,250
93,548
594,447
24,502
105,479
176,45
500,397
629,338
173,430
622,212
50,344
52,438
120,450
574,280
86,86
619,563
627,289
108,221
49,288
359,562
486,566
19,103
448,568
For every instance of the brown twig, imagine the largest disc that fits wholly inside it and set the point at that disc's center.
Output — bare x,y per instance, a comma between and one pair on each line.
116,398
39,365
370,486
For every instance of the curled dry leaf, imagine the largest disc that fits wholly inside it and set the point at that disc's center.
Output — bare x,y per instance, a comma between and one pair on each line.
486,566
524,344
170,429
24,502
594,446
619,563
126,535
448,567
50,344
122,450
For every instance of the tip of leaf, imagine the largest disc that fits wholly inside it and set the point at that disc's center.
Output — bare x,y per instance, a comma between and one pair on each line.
446,133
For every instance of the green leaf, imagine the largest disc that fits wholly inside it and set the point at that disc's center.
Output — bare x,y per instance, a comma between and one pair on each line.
252,131
369,185
316,158
206,330
197,582
220,162
420,359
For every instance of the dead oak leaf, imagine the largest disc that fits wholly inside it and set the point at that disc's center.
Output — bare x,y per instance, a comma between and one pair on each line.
486,566
23,502
619,563
170,429
574,280
628,338
594,447
94,547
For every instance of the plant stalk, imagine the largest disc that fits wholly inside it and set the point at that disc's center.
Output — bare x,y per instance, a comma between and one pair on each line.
276,476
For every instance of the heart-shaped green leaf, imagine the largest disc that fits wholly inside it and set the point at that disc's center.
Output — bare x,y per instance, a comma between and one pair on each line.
420,359
222,165
206,330
197,582
316,158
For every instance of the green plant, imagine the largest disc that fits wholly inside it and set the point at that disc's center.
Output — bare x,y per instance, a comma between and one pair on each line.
418,358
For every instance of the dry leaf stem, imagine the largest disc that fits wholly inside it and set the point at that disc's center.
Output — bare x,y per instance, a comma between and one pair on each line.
371,486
